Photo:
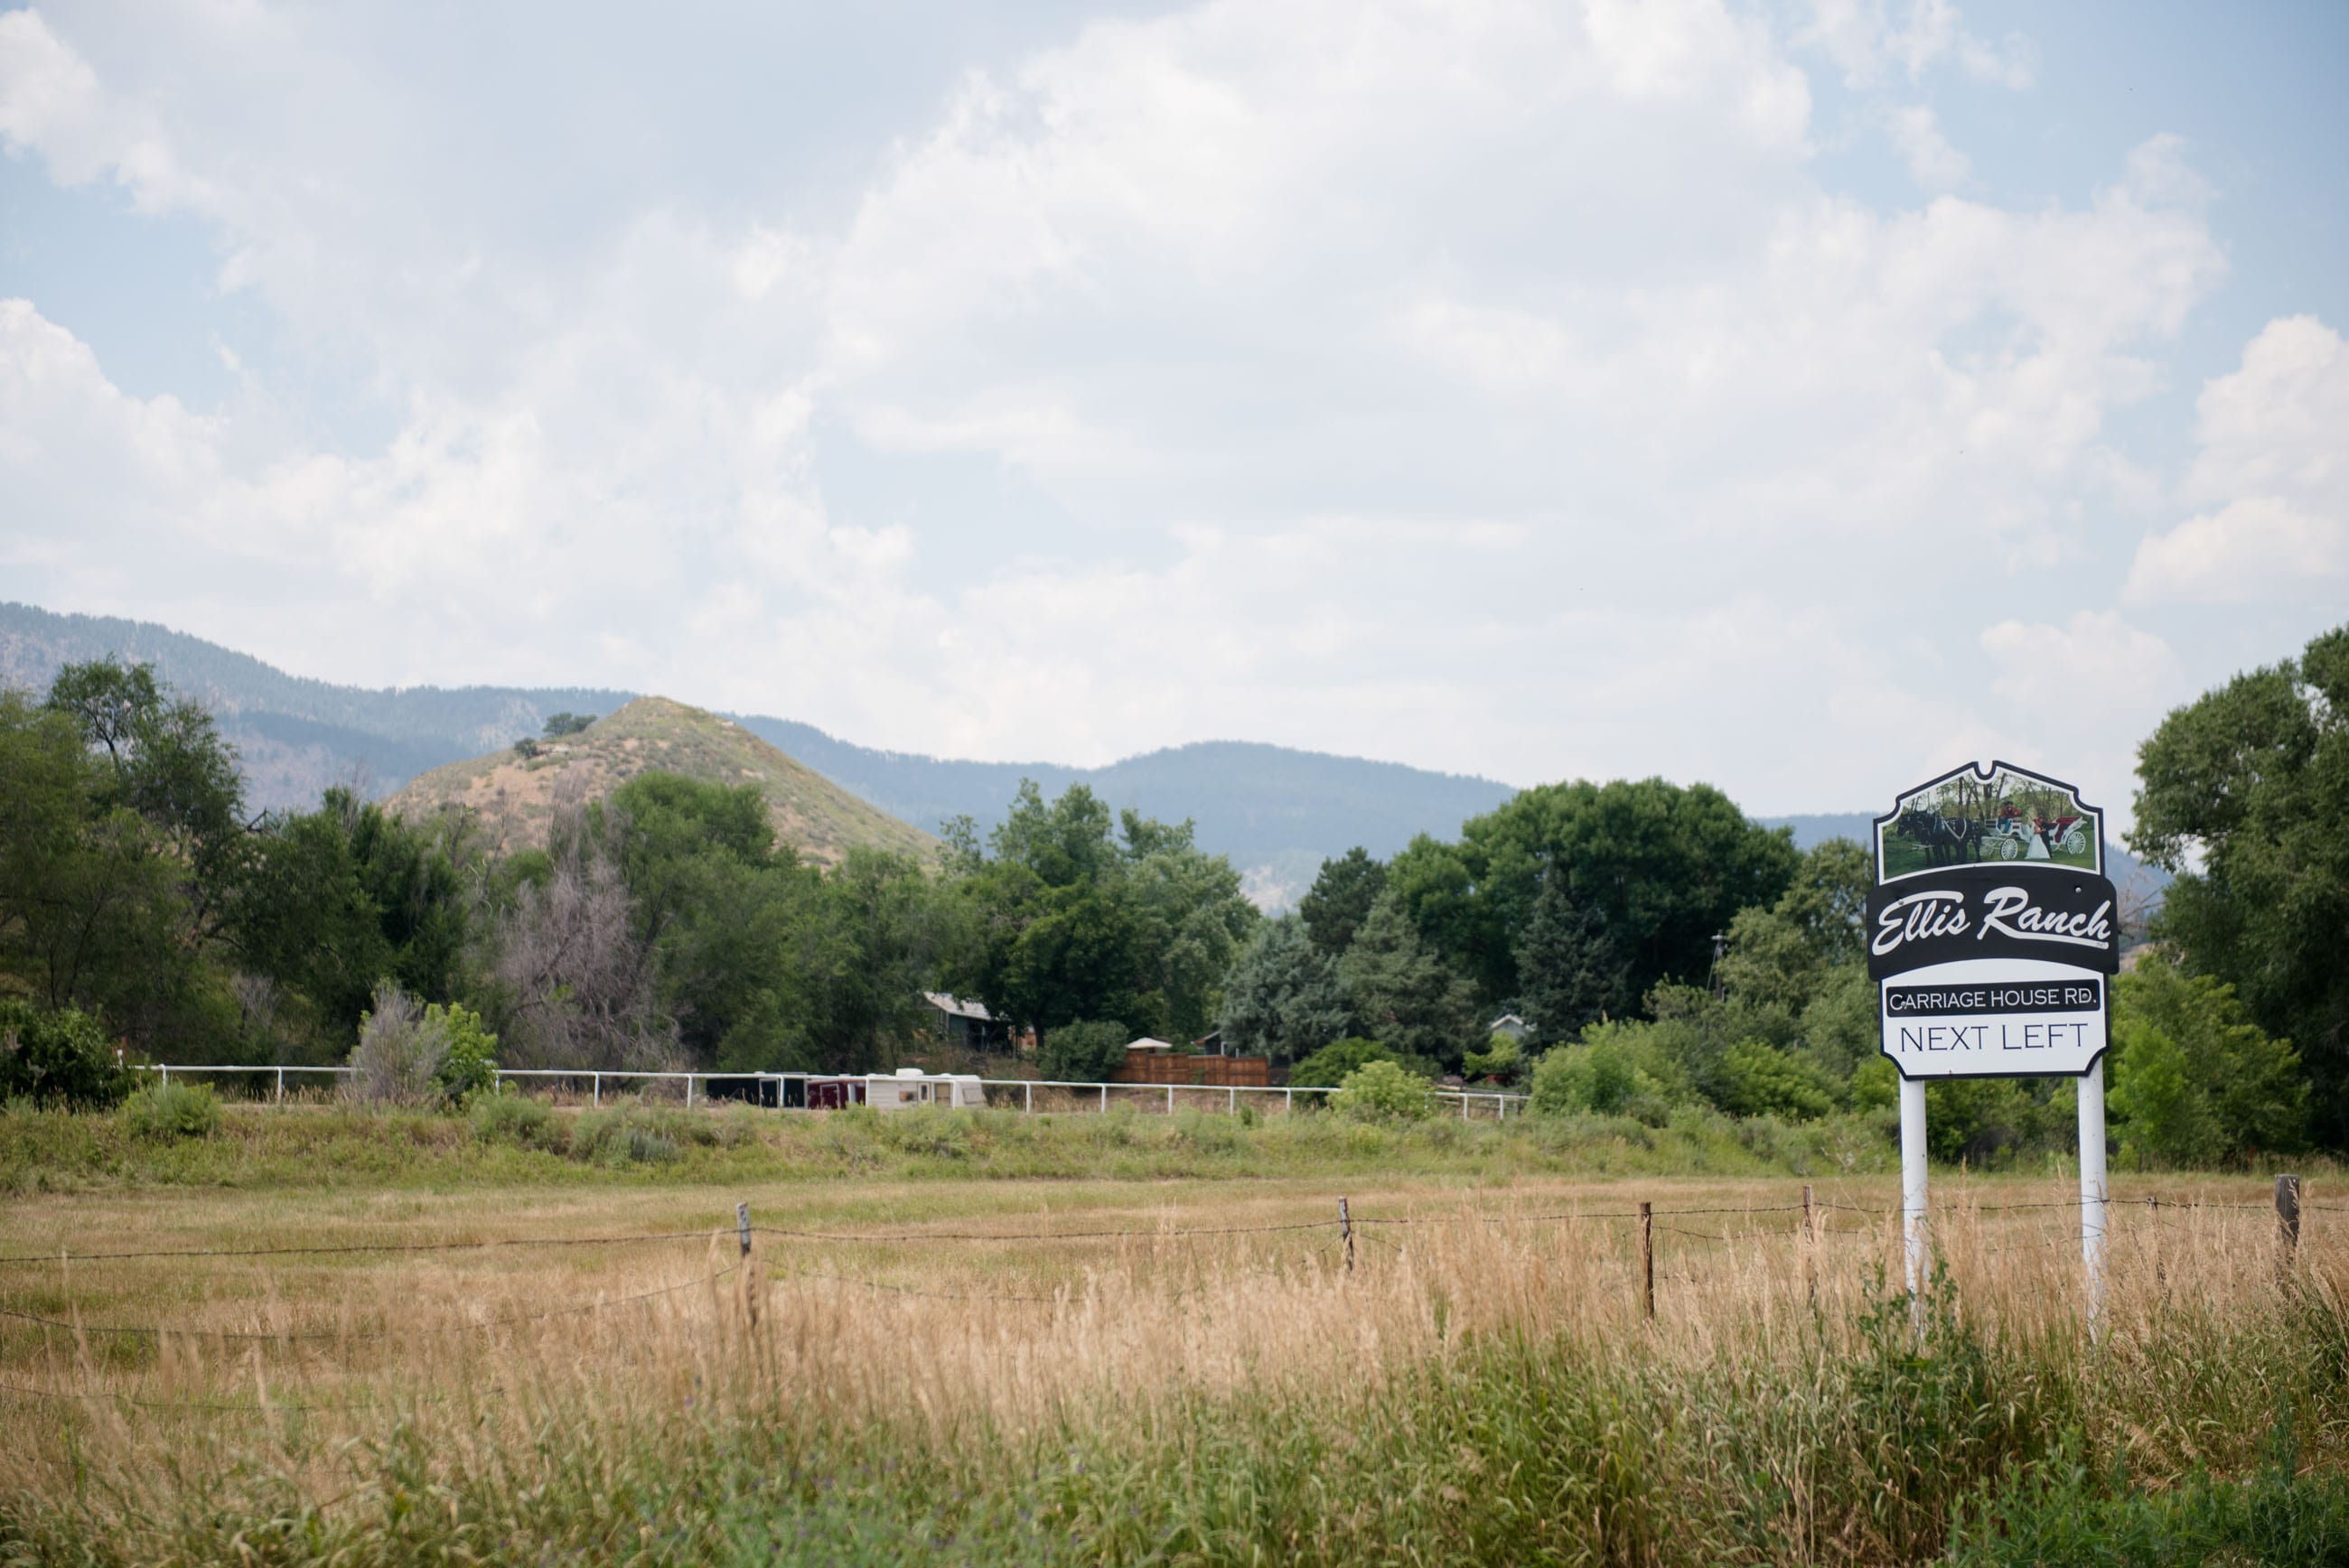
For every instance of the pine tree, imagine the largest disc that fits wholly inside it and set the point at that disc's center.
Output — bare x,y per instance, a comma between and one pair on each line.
1569,970
1404,996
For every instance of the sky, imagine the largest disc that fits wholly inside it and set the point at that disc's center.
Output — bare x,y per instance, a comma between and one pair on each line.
1801,397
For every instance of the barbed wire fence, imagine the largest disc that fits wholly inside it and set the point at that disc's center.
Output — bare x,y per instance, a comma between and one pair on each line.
1811,1223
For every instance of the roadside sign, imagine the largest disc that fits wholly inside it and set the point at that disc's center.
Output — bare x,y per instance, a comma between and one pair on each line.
1991,929
1993,935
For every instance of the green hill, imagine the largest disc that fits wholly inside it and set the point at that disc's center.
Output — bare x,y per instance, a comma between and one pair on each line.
513,797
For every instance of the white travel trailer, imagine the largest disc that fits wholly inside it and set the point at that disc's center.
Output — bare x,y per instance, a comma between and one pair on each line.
896,1091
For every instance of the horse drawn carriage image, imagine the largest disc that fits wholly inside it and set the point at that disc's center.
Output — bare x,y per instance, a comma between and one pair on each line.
1968,819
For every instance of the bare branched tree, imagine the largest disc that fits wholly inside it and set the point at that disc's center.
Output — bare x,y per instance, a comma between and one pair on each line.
579,980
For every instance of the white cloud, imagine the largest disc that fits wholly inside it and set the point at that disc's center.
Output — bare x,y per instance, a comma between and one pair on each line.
1494,386
1872,40
2272,470
1932,163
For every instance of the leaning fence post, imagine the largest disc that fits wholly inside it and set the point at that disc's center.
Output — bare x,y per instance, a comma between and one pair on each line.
2287,1203
1346,1233
1647,1259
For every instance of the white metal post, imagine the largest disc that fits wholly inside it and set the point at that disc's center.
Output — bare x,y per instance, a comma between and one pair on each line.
599,1088
2094,1198
688,1091
1104,1099
1170,1098
1912,1183
281,1085
1234,1097
167,1074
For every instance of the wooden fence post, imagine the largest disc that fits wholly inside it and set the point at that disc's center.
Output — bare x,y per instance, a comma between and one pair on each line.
1346,1231
750,1270
1810,1249
1647,1259
2287,1205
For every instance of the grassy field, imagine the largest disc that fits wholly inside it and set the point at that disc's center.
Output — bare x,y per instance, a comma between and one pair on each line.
1165,1364
308,1146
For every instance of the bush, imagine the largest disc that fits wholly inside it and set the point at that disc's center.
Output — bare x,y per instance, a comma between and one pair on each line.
1082,1052
469,1067
517,1120
1501,1059
1760,1079
638,1135
400,1051
1333,1063
57,1058
1383,1091
165,1110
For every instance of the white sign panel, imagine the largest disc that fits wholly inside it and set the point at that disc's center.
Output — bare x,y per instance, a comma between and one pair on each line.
1994,1017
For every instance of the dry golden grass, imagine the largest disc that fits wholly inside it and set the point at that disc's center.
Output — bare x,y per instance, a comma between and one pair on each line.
1013,1335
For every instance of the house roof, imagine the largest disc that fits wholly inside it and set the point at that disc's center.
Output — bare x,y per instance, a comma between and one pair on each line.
957,1007
1148,1043
1506,1020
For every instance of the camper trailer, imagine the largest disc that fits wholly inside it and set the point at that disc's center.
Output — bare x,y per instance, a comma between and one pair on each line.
896,1091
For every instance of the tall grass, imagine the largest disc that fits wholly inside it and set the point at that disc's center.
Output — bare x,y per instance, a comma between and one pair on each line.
1480,1386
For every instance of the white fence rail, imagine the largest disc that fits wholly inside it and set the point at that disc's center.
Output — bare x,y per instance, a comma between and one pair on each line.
1499,1102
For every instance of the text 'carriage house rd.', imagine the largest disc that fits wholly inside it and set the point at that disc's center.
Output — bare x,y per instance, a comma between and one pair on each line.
1992,930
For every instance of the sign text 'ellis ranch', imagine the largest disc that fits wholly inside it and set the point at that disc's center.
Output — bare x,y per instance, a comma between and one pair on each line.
1991,927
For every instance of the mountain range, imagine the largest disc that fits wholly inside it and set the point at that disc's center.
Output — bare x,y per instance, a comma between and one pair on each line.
1277,811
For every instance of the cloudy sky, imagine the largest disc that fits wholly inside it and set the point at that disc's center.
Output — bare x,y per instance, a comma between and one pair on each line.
1804,397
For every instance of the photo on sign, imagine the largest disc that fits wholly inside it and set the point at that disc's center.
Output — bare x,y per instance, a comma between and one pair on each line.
1969,818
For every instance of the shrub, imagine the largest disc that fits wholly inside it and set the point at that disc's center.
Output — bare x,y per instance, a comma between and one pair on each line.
165,1110
1383,1091
1334,1063
469,1067
1760,1079
400,1051
1082,1052
1502,1058
517,1120
638,1135
57,1058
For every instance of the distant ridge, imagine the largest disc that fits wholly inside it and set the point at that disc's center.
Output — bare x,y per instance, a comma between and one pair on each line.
512,797
1277,812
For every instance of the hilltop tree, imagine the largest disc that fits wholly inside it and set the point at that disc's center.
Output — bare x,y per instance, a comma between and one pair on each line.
1340,898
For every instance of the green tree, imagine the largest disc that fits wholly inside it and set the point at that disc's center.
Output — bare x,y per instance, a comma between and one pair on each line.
2193,1076
1569,971
1402,993
1082,1051
1066,919
1664,867
2244,794
94,908
1334,908
562,724
330,902
1283,998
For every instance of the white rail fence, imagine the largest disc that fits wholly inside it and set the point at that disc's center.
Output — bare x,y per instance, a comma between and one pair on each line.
1469,1101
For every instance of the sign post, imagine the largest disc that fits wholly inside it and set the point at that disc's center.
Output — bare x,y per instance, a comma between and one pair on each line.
1992,935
